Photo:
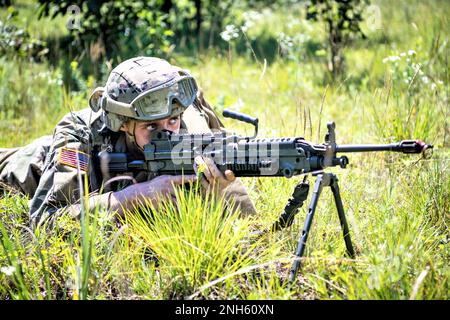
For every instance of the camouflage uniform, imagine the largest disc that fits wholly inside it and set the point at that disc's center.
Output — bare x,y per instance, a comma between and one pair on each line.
52,185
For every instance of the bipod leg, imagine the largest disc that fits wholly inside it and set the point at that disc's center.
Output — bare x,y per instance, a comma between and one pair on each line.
322,179
340,208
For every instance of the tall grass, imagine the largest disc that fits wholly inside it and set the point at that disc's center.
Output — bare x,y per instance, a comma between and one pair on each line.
195,242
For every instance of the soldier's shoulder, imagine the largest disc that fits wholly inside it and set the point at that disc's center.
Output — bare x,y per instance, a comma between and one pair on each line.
80,124
84,116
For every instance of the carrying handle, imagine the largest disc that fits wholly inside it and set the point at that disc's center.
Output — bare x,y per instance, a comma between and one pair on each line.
227,113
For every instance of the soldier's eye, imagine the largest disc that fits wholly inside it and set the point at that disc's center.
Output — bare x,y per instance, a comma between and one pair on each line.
174,120
151,127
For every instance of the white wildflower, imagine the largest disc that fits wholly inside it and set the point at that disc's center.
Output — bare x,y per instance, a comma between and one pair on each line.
411,52
230,28
425,79
8,270
433,86
391,58
252,15
225,36
403,54
230,32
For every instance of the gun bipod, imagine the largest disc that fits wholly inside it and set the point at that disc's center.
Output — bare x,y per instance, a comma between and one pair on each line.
300,194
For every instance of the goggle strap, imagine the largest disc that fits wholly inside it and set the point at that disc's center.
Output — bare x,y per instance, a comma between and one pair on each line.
119,108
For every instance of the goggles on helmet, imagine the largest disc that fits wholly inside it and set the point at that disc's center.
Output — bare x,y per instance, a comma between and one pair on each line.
156,103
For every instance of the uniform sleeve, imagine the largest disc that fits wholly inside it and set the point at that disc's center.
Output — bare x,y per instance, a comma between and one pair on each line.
68,157
236,193
21,168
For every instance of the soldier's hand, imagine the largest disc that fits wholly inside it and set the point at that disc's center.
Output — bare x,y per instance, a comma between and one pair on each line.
155,190
211,177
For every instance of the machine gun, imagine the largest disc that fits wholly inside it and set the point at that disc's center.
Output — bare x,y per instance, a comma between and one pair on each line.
170,153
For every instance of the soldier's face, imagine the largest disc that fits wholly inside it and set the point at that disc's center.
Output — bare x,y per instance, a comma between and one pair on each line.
143,129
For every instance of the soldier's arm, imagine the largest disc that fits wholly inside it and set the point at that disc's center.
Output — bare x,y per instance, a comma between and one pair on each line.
116,203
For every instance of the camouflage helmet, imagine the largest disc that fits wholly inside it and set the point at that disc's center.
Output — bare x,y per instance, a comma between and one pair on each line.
143,88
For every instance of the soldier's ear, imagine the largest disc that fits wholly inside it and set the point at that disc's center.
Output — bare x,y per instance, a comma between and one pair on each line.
95,100
124,127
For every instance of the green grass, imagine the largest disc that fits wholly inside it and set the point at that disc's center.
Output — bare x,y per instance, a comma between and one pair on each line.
397,206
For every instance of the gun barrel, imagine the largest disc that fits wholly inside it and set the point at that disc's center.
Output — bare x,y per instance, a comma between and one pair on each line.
366,147
405,146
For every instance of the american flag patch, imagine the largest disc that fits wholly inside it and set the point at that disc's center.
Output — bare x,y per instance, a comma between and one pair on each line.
70,157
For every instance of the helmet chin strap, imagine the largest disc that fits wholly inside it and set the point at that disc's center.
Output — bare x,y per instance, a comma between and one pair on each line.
131,140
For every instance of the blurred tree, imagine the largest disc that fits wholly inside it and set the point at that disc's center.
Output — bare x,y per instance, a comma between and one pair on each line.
5,3
17,43
342,19
107,30
198,23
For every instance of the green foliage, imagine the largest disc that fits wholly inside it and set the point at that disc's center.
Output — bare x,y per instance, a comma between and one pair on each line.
17,43
342,19
196,24
111,30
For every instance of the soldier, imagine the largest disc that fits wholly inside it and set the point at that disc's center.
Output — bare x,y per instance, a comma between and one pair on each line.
142,94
